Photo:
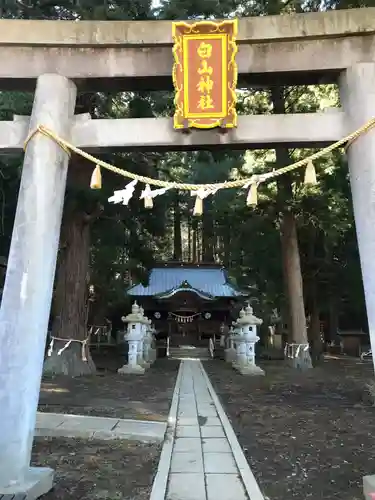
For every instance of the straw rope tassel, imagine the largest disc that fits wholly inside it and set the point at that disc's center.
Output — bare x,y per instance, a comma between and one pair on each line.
198,206
148,201
96,178
310,174
252,195
239,183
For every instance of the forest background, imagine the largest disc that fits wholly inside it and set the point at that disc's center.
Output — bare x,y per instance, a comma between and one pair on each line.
297,247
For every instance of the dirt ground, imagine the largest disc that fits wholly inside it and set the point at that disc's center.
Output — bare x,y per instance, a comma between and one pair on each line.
305,435
98,470
107,394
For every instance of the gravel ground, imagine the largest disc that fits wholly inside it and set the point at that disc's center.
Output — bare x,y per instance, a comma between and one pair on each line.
108,394
305,435
98,470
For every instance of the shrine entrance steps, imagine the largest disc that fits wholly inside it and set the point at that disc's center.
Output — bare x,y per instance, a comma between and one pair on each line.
189,352
201,458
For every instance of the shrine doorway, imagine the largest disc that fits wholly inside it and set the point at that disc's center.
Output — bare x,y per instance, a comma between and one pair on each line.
186,313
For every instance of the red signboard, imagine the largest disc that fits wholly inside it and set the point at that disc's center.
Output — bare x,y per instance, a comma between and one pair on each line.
205,74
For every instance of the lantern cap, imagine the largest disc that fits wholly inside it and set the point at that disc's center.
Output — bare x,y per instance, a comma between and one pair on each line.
135,316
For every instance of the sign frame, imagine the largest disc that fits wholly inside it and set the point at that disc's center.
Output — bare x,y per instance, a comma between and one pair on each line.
205,31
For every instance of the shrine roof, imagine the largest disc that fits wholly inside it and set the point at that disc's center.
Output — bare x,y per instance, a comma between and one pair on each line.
208,282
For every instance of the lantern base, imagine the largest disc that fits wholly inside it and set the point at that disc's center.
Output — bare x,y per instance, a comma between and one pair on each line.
131,370
230,355
249,369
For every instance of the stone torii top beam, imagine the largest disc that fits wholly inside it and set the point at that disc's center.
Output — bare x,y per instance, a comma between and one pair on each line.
157,134
143,34
300,48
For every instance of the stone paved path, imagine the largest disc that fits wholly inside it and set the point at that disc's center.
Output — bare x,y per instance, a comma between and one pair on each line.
201,457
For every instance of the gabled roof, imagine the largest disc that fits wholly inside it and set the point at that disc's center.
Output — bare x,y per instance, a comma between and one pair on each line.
207,282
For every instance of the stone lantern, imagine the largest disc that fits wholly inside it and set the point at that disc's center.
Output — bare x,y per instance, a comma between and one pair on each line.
153,353
245,361
147,340
223,334
239,358
144,324
230,351
133,337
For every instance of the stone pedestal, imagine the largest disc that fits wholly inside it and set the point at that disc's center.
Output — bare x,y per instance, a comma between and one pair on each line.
230,351
357,92
27,293
240,352
248,367
134,338
146,351
230,354
132,366
140,360
245,360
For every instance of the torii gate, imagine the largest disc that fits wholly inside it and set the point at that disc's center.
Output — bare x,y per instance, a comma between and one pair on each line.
61,56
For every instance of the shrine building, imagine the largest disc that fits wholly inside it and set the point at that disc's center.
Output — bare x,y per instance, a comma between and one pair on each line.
188,302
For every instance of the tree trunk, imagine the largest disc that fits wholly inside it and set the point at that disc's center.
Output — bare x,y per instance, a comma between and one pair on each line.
190,259
72,280
195,240
227,246
207,232
289,247
71,300
333,317
290,251
315,337
177,241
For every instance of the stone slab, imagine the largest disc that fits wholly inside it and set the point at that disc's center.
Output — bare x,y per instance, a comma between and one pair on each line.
88,423
212,432
49,419
187,421
141,430
216,445
210,422
207,412
38,482
187,431
224,487
368,487
182,445
65,433
186,487
187,412
187,462
219,463
88,427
